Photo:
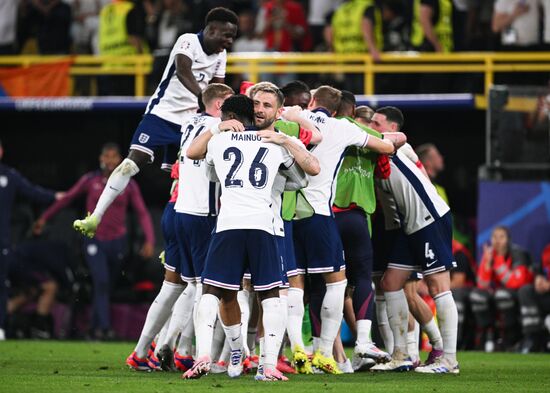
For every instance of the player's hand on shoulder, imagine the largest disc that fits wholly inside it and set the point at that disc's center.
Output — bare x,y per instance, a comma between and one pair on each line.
292,113
231,125
269,136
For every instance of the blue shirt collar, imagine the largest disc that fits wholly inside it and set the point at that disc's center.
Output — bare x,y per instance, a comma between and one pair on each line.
251,128
323,110
206,114
200,36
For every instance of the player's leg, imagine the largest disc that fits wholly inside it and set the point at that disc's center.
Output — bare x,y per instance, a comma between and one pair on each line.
439,286
422,313
531,321
413,334
461,296
397,309
96,259
5,257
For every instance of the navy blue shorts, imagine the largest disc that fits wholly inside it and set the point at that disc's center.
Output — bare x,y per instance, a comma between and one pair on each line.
171,249
318,245
232,251
428,250
281,246
289,253
153,132
193,235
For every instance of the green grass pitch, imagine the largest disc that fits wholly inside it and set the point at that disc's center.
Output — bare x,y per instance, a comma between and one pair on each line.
54,366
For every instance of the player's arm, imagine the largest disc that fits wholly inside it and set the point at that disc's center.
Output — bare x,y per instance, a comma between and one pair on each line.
425,19
367,25
185,74
387,145
307,161
198,148
293,114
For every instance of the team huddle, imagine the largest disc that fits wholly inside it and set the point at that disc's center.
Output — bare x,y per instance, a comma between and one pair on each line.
271,208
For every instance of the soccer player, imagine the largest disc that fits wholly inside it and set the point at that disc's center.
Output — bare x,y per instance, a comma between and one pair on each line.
11,184
353,204
175,292
317,241
244,235
105,253
195,60
423,242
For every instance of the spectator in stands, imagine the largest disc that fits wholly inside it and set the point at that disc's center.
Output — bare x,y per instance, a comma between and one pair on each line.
106,251
166,21
248,40
8,27
434,164
504,269
535,310
121,32
318,11
85,25
52,20
517,21
11,184
432,25
285,27
37,272
396,27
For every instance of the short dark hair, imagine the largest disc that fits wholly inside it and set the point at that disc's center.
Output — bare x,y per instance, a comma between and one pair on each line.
393,114
221,14
423,150
110,146
295,87
347,104
241,106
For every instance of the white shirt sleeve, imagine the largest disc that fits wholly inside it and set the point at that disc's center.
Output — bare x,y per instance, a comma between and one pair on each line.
187,45
409,152
353,135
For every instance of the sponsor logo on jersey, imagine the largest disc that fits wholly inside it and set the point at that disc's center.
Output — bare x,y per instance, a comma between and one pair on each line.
143,138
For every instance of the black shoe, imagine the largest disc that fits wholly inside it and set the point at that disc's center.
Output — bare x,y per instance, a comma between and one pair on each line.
165,356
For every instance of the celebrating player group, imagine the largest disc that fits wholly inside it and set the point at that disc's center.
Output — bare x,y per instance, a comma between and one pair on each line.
271,209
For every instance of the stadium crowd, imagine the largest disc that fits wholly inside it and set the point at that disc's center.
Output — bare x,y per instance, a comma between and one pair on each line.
347,172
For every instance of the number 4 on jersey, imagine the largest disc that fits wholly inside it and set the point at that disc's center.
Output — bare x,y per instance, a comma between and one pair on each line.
428,253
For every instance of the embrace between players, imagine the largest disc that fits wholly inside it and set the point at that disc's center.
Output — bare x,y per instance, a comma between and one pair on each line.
260,203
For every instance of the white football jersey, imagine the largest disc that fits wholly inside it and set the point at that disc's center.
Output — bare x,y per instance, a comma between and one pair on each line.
410,194
172,101
337,134
246,168
196,194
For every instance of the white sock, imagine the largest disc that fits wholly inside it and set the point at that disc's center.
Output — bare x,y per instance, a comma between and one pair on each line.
383,324
398,318
363,332
233,336
218,341
242,299
447,316
185,343
284,311
117,182
226,350
295,300
182,312
412,342
332,311
273,330
434,334
157,315
251,339
206,319
316,342
198,295
261,344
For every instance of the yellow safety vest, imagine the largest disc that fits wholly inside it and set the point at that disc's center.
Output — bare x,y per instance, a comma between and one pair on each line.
443,27
347,29
113,36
